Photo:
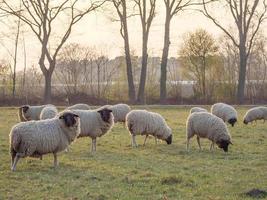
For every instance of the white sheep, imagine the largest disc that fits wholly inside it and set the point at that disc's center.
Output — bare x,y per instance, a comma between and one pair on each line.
48,112
206,125
226,112
120,111
255,114
31,112
95,123
142,122
79,106
36,138
197,109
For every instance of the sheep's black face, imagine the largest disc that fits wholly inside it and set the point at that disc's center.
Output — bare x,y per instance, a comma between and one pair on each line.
69,119
25,108
105,114
232,121
223,144
245,122
169,139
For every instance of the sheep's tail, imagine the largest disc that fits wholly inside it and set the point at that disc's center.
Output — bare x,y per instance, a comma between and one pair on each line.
129,126
15,140
21,117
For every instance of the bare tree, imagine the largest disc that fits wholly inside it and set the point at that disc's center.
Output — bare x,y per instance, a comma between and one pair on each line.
40,17
121,8
248,17
172,8
146,16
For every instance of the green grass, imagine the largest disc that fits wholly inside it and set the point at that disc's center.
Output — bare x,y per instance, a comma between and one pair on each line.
116,171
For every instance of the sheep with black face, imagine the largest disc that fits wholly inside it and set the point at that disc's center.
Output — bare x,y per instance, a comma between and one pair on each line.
95,123
142,122
27,112
206,125
254,114
36,138
226,112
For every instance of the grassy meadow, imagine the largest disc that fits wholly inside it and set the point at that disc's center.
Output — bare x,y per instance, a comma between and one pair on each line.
116,171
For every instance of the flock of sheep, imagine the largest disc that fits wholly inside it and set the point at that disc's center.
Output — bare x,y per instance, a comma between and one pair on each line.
44,130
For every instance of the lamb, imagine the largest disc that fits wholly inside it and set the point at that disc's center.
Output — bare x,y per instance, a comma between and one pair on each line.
197,109
142,122
206,125
79,106
255,114
31,112
36,138
95,123
226,112
48,112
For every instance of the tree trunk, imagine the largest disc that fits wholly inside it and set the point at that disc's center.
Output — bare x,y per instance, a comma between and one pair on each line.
47,91
242,74
142,85
131,87
164,60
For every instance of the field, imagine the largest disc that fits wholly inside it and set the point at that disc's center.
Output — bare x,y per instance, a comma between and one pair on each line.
116,171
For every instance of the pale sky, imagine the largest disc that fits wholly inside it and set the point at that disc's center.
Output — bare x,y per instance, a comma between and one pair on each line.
97,29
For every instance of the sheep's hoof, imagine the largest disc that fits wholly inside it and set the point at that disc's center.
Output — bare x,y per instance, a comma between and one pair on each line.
13,169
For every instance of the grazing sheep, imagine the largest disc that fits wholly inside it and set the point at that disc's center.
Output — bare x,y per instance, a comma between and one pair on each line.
31,112
142,122
206,125
226,112
197,109
95,123
119,112
255,114
48,112
79,106
36,138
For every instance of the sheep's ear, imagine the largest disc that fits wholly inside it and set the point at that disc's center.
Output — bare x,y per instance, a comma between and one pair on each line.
231,143
75,115
61,117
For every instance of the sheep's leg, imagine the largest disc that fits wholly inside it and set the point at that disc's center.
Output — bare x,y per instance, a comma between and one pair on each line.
55,160
13,155
93,147
187,144
198,142
156,140
16,159
212,146
133,141
145,140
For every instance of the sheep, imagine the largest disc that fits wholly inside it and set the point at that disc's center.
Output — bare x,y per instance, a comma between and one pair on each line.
142,122
197,109
226,112
95,123
206,125
20,114
48,112
255,114
79,106
36,138
119,112
31,112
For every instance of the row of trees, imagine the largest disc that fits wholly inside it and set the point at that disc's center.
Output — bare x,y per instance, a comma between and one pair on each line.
41,17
